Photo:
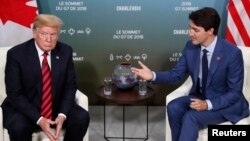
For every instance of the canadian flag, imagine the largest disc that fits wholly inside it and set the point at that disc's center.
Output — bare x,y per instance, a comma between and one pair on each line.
16,18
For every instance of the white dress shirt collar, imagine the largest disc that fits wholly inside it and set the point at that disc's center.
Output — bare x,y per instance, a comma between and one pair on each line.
210,47
40,55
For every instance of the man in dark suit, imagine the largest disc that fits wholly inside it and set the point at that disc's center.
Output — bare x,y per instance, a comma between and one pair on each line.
214,98
25,83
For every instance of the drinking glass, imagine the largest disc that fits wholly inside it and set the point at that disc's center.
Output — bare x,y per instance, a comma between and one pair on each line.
107,86
142,86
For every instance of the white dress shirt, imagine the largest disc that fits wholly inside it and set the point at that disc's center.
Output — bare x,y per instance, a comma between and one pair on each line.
40,55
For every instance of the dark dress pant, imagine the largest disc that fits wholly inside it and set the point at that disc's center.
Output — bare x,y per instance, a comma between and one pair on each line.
20,128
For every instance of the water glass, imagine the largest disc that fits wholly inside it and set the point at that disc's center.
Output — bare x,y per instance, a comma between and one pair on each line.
107,86
142,86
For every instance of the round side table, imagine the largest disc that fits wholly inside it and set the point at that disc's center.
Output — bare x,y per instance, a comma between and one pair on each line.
125,97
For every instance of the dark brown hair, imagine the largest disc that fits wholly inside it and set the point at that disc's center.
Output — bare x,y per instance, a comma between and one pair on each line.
207,18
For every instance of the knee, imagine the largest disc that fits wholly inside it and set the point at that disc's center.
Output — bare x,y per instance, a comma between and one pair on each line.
173,107
19,130
83,118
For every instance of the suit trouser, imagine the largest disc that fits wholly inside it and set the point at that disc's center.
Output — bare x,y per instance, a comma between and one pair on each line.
185,122
21,128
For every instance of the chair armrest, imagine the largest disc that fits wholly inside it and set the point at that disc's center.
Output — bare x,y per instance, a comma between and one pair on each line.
82,100
180,91
1,124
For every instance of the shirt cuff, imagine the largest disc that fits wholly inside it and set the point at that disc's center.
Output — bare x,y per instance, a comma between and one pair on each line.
154,76
39,120
61,114
209,105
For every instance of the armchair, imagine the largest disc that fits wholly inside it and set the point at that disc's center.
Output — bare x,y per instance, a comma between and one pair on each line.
186,86
81,99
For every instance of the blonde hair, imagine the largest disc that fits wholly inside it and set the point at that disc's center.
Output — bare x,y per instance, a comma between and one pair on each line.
47,20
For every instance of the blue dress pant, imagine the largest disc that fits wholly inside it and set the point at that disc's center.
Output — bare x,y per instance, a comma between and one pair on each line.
185,122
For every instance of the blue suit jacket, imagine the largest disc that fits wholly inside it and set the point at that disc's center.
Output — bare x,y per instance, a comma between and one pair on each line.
23,81
224,82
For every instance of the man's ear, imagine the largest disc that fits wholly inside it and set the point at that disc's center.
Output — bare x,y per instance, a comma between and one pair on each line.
34,32
211,31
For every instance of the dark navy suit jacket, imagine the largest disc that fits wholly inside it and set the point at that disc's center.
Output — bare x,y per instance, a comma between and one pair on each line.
24,81
224,81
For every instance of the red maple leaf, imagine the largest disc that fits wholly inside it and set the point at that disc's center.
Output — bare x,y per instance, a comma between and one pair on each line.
17,11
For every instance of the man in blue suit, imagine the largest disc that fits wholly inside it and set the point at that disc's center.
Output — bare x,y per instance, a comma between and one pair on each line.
221,98
24,85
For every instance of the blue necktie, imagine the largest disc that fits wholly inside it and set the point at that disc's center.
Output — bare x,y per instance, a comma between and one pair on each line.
204,71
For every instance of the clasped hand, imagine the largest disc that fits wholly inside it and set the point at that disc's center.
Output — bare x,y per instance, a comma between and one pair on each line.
46,124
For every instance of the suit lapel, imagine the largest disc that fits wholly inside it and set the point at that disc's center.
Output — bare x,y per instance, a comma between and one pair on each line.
196,63
215,61
55,67
35,63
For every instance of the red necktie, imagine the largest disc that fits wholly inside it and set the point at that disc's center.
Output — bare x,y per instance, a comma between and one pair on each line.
46,107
